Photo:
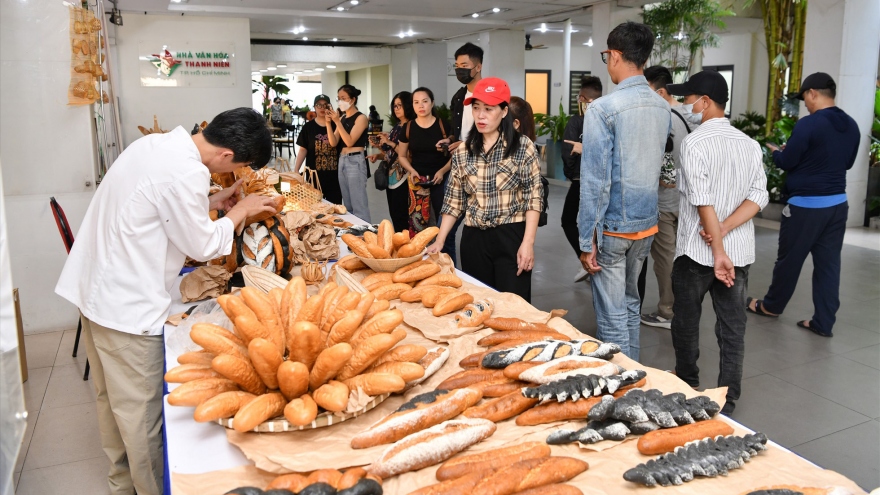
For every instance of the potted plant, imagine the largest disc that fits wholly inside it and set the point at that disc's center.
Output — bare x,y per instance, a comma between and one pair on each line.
753,124
872,205
553,126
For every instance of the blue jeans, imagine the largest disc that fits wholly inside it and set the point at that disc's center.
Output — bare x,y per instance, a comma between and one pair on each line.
616,294
353,183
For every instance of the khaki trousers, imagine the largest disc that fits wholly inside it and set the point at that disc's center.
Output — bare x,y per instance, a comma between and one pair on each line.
663,254
127,372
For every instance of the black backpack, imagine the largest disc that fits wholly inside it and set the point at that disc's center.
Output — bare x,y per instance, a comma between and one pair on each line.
669,144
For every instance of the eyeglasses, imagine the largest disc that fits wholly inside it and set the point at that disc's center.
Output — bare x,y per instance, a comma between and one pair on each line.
322,106
605,55
398,105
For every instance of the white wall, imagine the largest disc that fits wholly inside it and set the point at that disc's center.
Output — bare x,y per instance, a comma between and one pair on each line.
735,50
178,105
429,69
452,84
401,69
46,149
504,57
760,76
551,59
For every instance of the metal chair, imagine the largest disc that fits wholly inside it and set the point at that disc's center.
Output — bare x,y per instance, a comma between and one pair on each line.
67,238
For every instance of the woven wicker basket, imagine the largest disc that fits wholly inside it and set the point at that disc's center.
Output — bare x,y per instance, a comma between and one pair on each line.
261,279
324,419
343,277
304,191
390,264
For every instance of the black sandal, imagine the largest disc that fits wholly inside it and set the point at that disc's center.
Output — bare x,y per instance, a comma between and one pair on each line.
808,325
759,308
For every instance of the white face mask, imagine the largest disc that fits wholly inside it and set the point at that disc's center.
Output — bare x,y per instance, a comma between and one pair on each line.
689,115
344,105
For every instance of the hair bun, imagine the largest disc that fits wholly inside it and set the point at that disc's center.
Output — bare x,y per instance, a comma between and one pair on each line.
357,92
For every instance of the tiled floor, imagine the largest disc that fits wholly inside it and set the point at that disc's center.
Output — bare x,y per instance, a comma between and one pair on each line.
819,397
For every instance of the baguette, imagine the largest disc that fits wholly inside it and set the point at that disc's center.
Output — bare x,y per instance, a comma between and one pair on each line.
275,295
375,383
331,299
377,280
377,252
531,473
329,477
451,303
366,353
407,371
511,324
377,307
294,482
416,294
418,243
295,295
311,309
400,239
351,263
514,370
329,286
522,335
195,357
191,394
213,341
258,410
301,411
350,477
189,372
501,408
236,307
305,343
265,311
223,302
558,369
384,322
410,353
557,411
502,389
357,245
666,440
385,235
444,279
553,489
266,359
390,291
240,371
332,396
474,360
431,297
370,238
414,272
473,315
469,377
293,379
492,459
223,405
344,329
455,486
250,328
329,363
420,412
433,360
345,305
431,446
366,301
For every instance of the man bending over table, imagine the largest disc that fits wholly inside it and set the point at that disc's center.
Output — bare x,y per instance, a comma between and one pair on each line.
149,214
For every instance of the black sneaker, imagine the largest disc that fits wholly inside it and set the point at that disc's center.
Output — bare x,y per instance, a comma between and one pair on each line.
655,320
728,408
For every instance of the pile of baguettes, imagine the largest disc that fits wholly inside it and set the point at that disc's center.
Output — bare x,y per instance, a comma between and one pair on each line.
387,244
292,354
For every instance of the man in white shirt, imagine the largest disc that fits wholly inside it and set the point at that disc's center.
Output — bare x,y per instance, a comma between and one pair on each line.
149,214
722,179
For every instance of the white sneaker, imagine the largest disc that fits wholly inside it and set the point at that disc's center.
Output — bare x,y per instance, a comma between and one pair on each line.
655,320
582,274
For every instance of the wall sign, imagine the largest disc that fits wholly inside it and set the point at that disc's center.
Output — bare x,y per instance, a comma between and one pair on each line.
202,64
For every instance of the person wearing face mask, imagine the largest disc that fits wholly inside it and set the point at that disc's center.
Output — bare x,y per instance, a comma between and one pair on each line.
591,88
495,183
624,138
663,247
397,191
822,147
350,135
722,182
317,152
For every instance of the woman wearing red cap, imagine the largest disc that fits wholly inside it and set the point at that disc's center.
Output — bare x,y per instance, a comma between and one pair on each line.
495,182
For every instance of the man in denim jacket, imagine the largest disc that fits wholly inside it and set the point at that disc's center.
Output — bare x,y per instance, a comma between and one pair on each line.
624,139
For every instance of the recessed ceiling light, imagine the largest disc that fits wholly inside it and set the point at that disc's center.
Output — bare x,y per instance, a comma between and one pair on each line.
335,39
263,70
410,32
354,2
319,69
272,68
281,65
257,73
340,8
305,38
589,41
401,35
298,72
543,28
307,71
331,66
475,15
496,10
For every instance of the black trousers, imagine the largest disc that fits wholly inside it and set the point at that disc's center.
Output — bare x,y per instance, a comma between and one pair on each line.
570,216
330,185
490,257
398,206
816,231
690,283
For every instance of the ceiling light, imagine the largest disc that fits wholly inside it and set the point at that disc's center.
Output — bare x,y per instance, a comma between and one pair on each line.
263,70
307,71
340,8
281,65
271,68
496,10
319,69
354,2
475,15
335,39
401,35
297,72
295,30
305,38
589,41
255,73
543,28
331,66
410,32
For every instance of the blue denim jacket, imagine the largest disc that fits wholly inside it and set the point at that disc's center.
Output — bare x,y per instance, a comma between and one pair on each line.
624,140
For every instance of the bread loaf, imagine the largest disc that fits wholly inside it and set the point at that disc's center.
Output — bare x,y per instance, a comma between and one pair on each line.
329,363
374,384
236,307
418,243
366,353
275,295
331,299
400,239
409,353
205,335
189,372
293,379
344,329
491,459
455,486
469,377
376,280
301,411
383,322
196,357
407,371
553,489
250,328
357,245
332,396
432,296
473,315
266,359
311,309
523,336
330,477
377,252
295,295
370,238
511,324
667,439
294,482
256,411
420,412
240,371
350,478
265,311
451,303
531,473
432,362
223,405
390,291
431,446
414,272
557,411
377,307
191,394
558,369
501,408
305,342
342,309
444,279
351,263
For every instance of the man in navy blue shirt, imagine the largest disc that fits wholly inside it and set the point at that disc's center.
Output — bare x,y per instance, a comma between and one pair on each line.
821,149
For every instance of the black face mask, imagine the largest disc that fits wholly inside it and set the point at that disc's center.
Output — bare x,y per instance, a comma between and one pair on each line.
463,75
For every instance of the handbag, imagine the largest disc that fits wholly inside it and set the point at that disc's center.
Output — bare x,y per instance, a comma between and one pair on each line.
380,177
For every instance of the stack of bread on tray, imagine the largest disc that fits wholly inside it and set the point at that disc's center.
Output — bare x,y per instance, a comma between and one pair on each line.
386,244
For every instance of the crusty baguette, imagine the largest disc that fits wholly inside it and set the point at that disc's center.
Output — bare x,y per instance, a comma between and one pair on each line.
350,477
301,411
377,307
250,328
294,482
431,446
414,272
557,411
407,371
666,440
331,299
513,371
240,371
374,384
265,358
409,353
418,243
501,408
212,341
390,291
382,322
367,300
530,473
223,405
524,335
329,363
451,303
275,295
365,353
400,239
357,245
415,294
377,252
293,379
351,263
509,324
342,309
266,312
196,357
422,411
370,238
191,394
377,280
432,296
455,486
344,329
258,410
295,295
385,235
189,372
332,396
444,279
553,489
492,459
469,377
504,388
311,309
558,369
305,343
236,307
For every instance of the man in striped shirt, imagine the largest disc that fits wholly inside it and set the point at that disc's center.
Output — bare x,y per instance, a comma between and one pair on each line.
722,180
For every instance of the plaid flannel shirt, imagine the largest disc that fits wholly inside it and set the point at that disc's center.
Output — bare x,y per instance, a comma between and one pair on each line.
492,190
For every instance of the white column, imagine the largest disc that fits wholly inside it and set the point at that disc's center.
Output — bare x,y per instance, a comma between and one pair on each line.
566,64
504,57
842,40
601,27
401,69
429,69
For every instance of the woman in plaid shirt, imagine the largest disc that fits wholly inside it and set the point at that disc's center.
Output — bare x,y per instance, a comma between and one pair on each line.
495,182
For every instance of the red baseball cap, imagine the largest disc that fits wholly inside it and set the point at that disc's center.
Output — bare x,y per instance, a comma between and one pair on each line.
491,91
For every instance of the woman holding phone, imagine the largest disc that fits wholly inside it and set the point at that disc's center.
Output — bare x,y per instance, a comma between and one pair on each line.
427,160
315,149
397,191
350,135
495,182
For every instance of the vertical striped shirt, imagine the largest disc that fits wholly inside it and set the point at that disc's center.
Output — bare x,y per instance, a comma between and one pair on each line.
721,167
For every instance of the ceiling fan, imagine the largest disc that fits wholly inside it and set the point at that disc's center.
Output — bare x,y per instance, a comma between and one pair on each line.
529,46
